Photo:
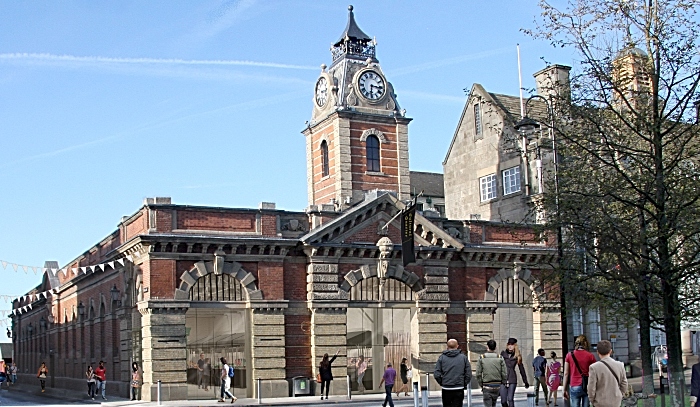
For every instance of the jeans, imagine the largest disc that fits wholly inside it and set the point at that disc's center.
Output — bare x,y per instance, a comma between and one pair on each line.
490,395
91,389
101,388
578,397
508,395
224,390
14,378
540,381
452,398
387,398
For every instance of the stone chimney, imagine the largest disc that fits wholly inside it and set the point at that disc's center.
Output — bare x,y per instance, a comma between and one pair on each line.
553,83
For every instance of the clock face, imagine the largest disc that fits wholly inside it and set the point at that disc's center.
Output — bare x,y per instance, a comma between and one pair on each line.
321,92
372,85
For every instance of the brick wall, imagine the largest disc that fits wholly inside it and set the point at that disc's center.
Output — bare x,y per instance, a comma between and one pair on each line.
297,331
270,280
219,221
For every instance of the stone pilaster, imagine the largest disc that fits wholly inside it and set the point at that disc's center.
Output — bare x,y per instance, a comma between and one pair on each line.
125,344
267,350
430,327
164,352
479,328
329,335
322,282
547,327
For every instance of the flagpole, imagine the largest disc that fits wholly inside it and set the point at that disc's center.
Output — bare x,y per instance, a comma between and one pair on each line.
413,202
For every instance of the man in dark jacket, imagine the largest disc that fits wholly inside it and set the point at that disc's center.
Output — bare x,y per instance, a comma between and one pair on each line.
453,373
695,385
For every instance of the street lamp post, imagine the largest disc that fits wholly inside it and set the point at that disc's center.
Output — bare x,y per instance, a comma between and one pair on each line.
527,127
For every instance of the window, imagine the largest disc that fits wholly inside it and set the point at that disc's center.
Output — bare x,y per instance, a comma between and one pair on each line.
511,180
593,326
373,154
477,121
441,209
488,187
324,158
577,321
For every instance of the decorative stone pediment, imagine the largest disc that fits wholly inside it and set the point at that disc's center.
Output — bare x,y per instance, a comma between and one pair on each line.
362,220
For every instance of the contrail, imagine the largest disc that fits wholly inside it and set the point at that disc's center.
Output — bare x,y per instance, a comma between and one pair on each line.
145,61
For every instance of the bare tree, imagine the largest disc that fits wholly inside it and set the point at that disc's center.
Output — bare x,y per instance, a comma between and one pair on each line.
629,200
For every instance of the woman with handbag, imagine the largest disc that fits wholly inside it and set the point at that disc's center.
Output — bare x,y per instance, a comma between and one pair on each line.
406,374
135,380
41,374
90,374
576,367
325,373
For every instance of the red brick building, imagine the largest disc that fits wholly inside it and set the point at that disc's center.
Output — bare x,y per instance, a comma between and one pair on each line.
273,290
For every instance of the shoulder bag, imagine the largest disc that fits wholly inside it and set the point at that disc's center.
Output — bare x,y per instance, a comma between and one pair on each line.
584,379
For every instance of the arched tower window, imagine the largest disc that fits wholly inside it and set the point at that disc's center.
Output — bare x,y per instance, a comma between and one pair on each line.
373,153
324,158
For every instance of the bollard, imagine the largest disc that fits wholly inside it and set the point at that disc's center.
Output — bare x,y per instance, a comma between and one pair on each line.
531,399
259,390
158,394
415,394
424,395
349,397
469,395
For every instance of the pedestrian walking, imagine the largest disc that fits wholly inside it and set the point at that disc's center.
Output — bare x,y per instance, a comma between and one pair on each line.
200,370
135,380
388,380
453,373
553,374
607,383
13,372
226,377
491,373
404,372
206,374
539,365
361,366
695,385
41,374
326,373
101,377
512,357
90,375
576,367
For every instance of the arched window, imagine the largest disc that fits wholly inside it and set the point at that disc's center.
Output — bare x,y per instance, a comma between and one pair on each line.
324,158
213,287
373,153
368,290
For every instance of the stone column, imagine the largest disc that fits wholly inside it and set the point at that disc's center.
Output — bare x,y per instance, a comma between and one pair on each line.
431,329
328,335
164,349
547,326
479,328
267,349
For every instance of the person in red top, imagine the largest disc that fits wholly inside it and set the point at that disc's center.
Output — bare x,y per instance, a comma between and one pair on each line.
576,367
101,377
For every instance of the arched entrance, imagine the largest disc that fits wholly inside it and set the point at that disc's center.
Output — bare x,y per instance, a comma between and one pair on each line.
514,314
216,326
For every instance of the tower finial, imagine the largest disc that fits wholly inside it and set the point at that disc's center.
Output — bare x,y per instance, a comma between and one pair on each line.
350,8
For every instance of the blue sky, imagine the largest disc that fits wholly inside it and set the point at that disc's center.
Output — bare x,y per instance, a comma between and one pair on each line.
103,104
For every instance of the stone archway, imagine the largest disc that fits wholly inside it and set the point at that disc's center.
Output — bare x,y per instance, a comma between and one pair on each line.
218,266
397,272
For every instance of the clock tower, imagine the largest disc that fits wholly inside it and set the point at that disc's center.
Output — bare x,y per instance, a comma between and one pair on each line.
357,138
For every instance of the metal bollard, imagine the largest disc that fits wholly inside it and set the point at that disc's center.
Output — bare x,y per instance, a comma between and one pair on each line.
469,395
424,395
349,388
415,394
531,399
259,390
158,394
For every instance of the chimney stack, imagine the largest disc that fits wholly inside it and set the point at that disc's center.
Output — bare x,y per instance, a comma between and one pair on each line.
553,83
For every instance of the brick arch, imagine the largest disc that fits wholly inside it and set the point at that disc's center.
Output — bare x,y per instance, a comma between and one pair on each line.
373,132
524,275
397,272
233,269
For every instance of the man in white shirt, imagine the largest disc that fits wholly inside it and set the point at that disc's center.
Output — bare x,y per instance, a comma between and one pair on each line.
607,381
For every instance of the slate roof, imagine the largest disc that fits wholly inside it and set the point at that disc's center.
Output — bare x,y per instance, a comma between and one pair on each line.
510,105
432,183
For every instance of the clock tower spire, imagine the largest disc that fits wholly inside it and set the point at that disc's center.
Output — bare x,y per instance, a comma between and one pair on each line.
357,138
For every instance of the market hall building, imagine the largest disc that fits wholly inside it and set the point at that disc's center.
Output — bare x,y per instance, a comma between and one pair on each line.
274,290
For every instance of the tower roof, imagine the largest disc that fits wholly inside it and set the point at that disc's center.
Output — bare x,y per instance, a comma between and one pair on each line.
352,31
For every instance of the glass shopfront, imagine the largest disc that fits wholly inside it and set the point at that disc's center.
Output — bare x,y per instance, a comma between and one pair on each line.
380,336
213,333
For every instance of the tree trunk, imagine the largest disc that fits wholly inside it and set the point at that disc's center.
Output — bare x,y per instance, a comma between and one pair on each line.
672,324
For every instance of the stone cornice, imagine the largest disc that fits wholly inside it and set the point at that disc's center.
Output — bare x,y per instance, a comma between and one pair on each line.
271,305
162,307
481,306
334,305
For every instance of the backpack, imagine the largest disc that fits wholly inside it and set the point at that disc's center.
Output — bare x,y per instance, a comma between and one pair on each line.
230,371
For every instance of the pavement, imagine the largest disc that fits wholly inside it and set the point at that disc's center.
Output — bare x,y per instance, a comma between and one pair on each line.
29,395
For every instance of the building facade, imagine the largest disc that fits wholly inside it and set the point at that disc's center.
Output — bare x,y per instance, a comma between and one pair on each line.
176,287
